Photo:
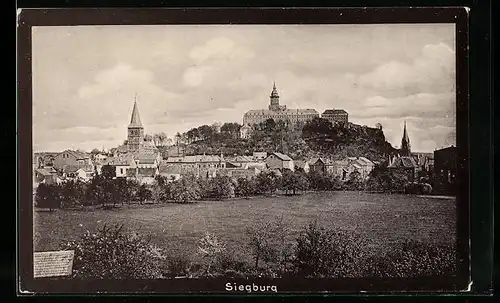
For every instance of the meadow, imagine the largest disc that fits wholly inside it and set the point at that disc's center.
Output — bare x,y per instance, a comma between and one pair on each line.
381,219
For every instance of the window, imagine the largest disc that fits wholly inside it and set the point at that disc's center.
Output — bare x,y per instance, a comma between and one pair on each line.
121,171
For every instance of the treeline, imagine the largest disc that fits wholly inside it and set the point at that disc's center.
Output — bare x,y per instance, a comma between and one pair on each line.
272,250
107,191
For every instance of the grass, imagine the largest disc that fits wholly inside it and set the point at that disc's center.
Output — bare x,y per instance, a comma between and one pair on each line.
381,219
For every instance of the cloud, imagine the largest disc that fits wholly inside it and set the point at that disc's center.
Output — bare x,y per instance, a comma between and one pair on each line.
419,105
432,71
216,73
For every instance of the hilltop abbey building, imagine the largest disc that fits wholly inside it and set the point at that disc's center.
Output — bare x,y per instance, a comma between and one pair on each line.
278,112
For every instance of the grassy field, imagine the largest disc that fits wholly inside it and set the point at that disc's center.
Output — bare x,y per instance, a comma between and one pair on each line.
381,218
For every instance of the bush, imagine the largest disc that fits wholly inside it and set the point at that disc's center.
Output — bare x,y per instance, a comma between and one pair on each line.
185,190
212,250
417,188
328,253
270,246
414,259
48,196
111,254
245,187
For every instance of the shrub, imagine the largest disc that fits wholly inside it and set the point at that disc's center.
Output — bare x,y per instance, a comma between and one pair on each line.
327,253
111,254
212,250
413,258
269,245
47,196
245,187
185,190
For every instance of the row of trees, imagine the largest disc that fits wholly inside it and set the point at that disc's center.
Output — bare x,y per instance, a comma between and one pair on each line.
271,247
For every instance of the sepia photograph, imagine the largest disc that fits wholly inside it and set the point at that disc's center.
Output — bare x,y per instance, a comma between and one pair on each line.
242,152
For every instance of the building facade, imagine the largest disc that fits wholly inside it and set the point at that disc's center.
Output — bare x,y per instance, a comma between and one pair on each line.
278,112
336,116
135,138
280,161
445,170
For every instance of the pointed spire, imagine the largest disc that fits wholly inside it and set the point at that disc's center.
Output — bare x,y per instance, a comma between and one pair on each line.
405,134
274,93
405,142
135,120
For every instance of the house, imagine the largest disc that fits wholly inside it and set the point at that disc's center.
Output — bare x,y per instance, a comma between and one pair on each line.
239,172
405,164
43,159
445,170
44,175
343,168
171,172
121,165
321,166
336,116
259,156
279,161
198,161
241,161
302,165
145,175
245,131
81,172
71,157
100,157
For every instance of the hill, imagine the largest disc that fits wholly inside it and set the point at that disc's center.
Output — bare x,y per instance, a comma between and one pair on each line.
316,138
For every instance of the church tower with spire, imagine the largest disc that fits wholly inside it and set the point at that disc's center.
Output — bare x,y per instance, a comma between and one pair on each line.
135,138
275,100
405,143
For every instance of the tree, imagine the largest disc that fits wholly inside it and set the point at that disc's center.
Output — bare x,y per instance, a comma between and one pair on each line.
162,137
47,196
355,181
232,129
211,249
245,187
110,253
94,151
148,138
315,253
143,193
267,181
268,243
108,172
220,188
185,190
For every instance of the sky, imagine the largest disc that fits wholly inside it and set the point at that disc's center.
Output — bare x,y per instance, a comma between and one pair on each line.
85,78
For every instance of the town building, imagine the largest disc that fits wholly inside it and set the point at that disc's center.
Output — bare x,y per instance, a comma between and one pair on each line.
245,131
239,172
259,156
78,172
278,112
343,168
405,144
404,164
135,138
321,166
336,116
279,161
205,166
445,170
301,165
169,171
46,175
71,157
